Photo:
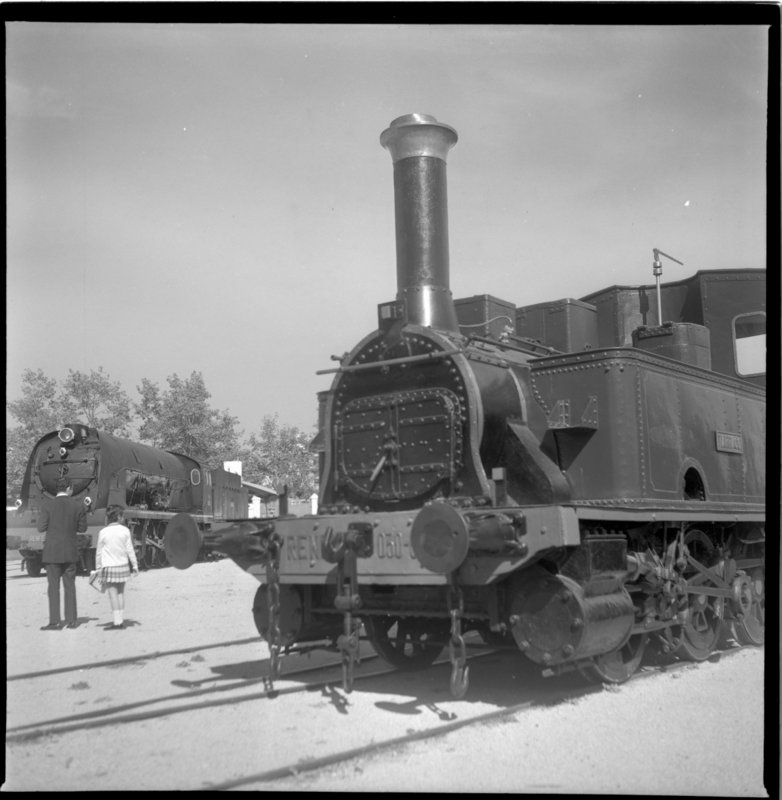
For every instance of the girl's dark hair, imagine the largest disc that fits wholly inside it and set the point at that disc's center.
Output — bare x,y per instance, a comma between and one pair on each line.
113,513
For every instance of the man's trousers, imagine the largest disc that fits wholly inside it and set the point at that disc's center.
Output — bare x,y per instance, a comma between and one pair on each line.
68,574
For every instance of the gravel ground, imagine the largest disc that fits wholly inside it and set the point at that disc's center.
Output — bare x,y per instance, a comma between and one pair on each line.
697,731
669,734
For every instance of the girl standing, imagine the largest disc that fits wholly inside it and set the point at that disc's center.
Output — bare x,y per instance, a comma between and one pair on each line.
115,559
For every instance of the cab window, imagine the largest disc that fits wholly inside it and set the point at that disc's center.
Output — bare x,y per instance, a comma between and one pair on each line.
749,341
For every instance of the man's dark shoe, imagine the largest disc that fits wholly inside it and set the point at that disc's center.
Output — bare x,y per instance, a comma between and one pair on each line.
72,625
52,626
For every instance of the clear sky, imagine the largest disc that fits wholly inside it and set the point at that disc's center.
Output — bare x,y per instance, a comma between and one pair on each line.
215,198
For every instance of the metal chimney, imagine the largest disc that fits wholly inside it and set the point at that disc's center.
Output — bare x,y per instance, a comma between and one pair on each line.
419,145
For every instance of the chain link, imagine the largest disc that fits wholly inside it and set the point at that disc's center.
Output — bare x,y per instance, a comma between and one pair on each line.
348,643
274,637
350,652
460,674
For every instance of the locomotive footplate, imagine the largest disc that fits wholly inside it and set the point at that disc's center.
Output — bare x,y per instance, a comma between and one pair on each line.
479,544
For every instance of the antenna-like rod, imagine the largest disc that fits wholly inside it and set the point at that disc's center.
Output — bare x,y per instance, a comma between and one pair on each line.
657,269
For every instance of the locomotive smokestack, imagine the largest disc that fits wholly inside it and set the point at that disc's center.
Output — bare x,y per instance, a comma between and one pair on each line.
419,145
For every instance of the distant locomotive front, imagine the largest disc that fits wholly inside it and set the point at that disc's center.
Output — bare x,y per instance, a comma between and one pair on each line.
105,469
151,484
576,504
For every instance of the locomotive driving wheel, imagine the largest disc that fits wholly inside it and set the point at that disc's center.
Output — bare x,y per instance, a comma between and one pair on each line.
618,665
89,559
407,643
161,560
159,557
699,634
750,628
33,565
149,556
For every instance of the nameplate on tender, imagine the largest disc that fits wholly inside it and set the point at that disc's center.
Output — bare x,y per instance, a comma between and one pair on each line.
729,442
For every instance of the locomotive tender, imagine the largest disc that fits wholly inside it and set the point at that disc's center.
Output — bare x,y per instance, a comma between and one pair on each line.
153,485
576,479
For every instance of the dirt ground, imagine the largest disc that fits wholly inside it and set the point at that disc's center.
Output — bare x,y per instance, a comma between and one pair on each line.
697,731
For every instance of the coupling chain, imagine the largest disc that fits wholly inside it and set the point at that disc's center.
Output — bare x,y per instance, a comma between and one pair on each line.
349,646
274,637
460,673
348,601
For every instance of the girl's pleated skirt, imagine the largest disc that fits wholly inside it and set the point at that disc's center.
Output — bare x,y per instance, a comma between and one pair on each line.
116,574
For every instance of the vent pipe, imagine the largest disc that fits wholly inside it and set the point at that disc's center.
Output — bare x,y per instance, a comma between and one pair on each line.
419,145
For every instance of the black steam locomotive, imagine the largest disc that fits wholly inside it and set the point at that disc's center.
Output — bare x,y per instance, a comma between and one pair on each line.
576,479
153,485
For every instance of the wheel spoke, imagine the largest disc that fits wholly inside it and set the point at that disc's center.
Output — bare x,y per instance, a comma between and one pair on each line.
406,643
618,665
701,631
751,628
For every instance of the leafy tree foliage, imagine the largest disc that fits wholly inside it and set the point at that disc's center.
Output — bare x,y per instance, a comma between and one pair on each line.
280,455
97,401
177,417
38,410
180,419
92,398
18,446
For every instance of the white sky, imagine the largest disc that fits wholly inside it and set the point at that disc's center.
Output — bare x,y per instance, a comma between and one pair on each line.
215,198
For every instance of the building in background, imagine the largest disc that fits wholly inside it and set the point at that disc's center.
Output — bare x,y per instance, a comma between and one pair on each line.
264,500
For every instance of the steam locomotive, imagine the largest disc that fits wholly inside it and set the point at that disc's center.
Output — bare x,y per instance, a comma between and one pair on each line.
152,485
575,479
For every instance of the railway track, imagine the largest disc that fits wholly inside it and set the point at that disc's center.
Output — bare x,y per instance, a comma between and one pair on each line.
193,710
180,703
235,692
556,693
254,698
130,660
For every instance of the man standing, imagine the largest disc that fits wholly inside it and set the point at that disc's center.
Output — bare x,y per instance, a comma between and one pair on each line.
62,519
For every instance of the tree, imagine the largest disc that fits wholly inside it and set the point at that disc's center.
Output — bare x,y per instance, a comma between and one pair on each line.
93,399
180,419
97,401
18,446
38,411
280,454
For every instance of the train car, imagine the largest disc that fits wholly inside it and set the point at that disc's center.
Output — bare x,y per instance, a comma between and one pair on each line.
577,480
153,485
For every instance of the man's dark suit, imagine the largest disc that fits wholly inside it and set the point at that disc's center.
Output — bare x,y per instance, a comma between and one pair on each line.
62,519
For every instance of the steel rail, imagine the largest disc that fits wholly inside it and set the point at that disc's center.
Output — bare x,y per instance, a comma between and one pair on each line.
109,716
86,721
129,660
310,765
